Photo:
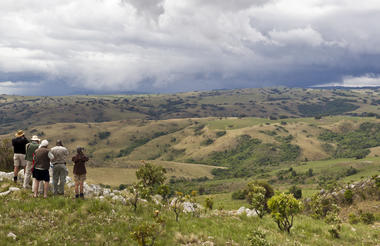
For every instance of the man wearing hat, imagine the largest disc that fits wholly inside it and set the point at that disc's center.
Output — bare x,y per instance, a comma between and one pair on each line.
19,150
30,148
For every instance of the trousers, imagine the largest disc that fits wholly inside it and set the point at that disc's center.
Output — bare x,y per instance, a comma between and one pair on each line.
59,178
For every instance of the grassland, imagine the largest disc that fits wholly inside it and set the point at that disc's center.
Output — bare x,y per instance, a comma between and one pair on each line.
114,176
65,221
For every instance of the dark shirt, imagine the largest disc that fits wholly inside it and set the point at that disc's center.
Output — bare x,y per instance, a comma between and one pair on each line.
41,159
79,164
19,145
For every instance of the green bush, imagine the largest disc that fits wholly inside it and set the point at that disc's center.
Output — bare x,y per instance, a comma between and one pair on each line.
239,195
348,196
367,218
257,238
151,176
104,135
353,218
283,209
256,196
209,203
296,192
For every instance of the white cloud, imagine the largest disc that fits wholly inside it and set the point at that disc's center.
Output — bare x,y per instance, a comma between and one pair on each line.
165,45
366,80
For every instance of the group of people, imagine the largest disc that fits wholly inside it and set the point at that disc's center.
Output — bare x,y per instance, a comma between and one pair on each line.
40,163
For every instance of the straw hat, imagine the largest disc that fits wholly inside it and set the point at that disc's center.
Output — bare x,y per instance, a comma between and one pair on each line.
19,133
35,138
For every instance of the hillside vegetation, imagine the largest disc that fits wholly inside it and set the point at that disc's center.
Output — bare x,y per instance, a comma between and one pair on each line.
21,112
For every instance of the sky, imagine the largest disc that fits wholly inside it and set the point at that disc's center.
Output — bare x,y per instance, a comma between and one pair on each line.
64,47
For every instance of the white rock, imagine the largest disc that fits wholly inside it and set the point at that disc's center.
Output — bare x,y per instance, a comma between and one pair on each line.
14,189
189,207
120,199
5,193
106,192
70,184
68,179
240,211
12,235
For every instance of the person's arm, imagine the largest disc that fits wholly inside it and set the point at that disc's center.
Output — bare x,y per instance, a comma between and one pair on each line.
51,156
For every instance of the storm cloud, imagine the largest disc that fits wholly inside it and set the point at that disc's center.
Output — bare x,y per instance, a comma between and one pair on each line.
64,47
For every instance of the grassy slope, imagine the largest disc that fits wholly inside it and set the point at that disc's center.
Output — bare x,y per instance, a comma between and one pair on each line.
62,220
178,140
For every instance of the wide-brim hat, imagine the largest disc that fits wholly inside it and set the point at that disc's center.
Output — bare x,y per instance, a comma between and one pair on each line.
20,133
35,138
44,143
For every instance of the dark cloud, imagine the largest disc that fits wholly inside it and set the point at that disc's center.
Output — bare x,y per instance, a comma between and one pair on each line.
169,45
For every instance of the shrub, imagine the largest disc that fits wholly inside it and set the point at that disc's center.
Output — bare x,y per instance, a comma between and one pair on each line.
348,196
351,171
177,204
283,209
151,176
122,186
296,192
258,239
239,195
137,191
209,203
269,192
104,135
310,172
220,134
207,142
353,218
146,233
367,218
256,196
319,206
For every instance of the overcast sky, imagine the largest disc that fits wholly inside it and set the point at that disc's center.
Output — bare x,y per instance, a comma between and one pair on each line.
60,47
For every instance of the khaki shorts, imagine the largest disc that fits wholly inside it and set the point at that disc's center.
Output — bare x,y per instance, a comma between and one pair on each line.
19,160
79,178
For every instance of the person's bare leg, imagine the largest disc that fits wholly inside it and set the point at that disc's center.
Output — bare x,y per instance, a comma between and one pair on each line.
15,173
36,184
81,187
46,188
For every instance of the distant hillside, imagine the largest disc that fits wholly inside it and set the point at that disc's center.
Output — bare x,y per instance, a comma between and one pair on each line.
230,142
24,112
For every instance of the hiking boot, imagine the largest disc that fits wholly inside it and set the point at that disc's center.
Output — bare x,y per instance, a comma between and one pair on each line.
15,179
76,195
81,195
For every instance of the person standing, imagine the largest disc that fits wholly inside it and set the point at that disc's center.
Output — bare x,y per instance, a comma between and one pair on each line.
58,155
41,167
30,148
19,144
79,171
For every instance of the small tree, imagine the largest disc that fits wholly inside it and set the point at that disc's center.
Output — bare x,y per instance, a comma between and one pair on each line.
151,176
283,209
146,233
256,196
137,191
177,204
209,203
269,192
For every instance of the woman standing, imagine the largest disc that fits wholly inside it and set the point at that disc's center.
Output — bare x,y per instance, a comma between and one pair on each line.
41,167
79,171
